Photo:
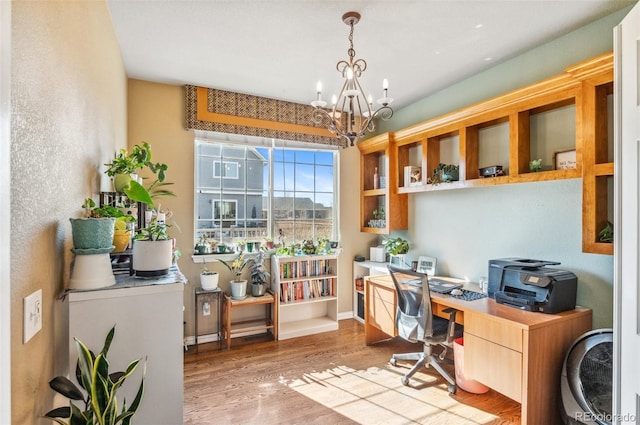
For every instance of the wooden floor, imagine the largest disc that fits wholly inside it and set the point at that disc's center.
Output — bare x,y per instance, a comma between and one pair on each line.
329,378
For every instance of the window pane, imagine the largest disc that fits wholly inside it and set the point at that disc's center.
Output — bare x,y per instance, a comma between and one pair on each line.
324,179
233,200
304,177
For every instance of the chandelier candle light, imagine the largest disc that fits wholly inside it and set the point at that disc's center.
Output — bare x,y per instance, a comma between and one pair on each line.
352,114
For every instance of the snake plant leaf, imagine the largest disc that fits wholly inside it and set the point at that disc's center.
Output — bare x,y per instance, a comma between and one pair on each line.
59,412
62,385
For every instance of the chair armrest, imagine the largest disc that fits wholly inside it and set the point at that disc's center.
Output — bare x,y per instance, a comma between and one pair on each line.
451,328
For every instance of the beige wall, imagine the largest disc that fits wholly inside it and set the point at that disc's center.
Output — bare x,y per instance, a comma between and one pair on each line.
156,115
68,118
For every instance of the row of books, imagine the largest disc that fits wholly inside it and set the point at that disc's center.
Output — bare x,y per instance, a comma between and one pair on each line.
306,289
308,268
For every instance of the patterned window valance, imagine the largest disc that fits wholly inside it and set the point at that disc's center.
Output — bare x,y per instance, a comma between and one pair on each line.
237,113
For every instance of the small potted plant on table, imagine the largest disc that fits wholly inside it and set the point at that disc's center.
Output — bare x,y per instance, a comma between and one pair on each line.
238,285
259,275
397,248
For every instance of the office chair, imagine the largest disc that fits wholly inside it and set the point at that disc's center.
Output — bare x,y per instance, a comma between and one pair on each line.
415,322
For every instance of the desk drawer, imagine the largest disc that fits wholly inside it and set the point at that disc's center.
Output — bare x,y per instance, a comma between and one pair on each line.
496,366
381,310
496,331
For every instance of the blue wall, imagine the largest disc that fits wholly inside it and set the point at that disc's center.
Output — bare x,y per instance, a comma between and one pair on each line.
467,227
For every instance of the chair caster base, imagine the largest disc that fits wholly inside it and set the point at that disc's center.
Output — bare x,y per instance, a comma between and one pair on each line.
452,389
405,381
392,362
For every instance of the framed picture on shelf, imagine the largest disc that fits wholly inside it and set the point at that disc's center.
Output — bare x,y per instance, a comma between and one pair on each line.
412,176
564,160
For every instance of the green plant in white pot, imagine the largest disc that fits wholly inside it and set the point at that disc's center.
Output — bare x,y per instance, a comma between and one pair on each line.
238,285
208,278
152,249
126,164
397,249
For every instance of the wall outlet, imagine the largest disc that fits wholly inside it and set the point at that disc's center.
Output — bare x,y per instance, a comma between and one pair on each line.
206,309
32,315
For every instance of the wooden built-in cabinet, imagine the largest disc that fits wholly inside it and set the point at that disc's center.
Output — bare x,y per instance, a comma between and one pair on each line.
378,154
506,131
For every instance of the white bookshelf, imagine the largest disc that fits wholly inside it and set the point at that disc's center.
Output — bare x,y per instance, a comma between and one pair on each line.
307,293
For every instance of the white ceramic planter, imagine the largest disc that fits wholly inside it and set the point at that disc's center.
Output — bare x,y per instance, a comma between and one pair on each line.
238,289
209,282
152,258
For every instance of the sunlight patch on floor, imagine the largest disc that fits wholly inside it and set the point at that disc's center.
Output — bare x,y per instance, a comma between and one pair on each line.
376,396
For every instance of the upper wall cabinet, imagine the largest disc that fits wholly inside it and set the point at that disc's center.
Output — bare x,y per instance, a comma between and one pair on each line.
382,208
559,128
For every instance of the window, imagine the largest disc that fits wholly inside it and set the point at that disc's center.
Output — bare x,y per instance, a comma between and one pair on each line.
250,192
225,169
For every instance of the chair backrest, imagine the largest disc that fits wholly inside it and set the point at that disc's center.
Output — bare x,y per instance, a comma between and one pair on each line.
414,317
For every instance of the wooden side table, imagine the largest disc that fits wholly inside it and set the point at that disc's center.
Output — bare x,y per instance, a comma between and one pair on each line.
269,323
209,295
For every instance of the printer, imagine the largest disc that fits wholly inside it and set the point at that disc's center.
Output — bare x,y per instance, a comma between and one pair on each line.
531,285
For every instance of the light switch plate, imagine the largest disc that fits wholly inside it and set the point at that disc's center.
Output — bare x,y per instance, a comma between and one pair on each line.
32,315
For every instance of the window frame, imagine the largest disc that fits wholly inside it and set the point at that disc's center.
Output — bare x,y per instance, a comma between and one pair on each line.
271,146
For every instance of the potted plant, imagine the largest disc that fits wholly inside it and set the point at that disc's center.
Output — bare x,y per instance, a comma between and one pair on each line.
268,243
122,230
208,278
152,249
259,275
238,286
125,164
445,173
397,248
98,390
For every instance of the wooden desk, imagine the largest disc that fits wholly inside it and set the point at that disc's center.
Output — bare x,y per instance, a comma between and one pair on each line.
517,353
268,323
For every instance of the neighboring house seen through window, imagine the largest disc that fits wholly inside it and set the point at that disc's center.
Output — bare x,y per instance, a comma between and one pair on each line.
249,193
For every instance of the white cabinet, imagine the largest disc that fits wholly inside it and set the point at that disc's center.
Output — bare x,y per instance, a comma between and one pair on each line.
307,292
361,269
149,325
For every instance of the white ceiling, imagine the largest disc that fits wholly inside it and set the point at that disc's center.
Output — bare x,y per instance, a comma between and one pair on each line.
281,48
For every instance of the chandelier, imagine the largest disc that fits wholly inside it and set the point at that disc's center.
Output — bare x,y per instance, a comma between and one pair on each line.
351,114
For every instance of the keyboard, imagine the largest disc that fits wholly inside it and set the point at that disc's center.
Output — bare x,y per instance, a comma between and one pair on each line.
469,295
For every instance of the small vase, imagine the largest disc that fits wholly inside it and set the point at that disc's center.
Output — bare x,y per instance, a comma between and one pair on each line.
238,289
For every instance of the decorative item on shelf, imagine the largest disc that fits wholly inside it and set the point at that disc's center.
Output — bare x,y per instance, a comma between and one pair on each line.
383,182
606,234
268,243
241,245
376,179
492,171
100,390
445,173
259,275
535,165
565,160
352,114
203,246
378,221
359,284
308,247
412,176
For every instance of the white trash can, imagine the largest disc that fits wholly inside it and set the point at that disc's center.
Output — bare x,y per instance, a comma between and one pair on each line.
468,385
